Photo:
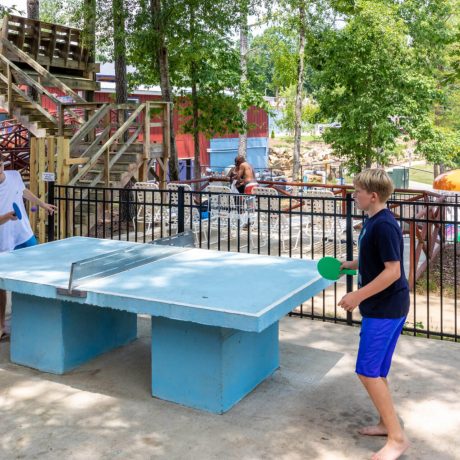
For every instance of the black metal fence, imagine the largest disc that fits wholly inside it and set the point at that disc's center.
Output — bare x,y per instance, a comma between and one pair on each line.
312,224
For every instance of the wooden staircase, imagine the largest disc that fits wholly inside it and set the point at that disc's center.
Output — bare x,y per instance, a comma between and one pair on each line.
118,151
45,59
32,54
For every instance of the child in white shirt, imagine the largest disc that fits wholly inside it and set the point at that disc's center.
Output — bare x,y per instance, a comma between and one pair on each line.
15,233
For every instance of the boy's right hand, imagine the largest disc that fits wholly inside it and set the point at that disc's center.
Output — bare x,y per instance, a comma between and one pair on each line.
350,264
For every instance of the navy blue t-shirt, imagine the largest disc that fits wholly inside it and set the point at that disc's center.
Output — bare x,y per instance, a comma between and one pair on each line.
381,241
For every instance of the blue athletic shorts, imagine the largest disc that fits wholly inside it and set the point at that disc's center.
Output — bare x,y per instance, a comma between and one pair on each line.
377,343
32,241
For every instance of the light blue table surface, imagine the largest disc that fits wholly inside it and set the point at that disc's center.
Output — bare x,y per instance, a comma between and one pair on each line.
234,290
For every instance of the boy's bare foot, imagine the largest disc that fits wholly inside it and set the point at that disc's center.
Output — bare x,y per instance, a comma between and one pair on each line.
392,450
374,430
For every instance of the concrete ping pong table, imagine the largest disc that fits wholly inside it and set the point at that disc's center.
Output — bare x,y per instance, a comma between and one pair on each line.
214,314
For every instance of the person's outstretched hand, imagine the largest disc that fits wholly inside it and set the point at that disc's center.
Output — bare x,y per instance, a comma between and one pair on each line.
49,208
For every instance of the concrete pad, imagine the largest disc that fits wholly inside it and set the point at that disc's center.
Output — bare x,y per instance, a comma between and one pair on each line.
309,409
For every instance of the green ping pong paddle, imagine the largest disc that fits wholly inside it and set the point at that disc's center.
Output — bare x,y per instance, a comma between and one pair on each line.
329,268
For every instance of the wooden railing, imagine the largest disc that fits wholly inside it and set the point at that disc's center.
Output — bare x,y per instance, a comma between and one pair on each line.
99,112
106,147
11,72
136,129
52,45
55,82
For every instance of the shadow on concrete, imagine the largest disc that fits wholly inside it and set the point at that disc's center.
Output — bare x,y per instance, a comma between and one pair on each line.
309,409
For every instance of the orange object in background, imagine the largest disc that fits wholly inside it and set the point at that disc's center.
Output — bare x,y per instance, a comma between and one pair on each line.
449,181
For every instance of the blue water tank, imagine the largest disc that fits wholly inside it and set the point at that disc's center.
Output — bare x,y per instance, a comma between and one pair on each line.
223,152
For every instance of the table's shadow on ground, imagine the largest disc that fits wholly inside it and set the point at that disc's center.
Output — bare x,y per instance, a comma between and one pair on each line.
126,371
310,407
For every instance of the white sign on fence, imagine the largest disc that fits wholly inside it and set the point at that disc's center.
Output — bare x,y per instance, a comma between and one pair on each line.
48,177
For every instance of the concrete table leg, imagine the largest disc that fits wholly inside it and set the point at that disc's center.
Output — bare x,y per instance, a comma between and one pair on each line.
56,335
209,368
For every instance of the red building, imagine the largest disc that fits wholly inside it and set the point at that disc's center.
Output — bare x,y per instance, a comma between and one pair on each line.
257,118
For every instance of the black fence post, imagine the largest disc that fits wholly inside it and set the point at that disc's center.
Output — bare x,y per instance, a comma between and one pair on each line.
51,216
180,209
349,202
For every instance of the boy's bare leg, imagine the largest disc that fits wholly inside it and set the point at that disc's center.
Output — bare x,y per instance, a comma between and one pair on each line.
397,442
2,311
375,430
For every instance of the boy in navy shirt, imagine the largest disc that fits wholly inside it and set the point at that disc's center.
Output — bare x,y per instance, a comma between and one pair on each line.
383,299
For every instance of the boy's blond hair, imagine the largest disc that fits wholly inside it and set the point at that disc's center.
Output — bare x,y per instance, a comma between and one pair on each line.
375,180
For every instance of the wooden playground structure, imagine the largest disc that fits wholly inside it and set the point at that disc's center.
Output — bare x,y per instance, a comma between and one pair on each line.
83,143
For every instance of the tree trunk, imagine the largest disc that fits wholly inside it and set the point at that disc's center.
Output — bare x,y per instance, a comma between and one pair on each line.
196,132
243,138
369,155
299,95
89,37
165,83
119,39
195,114
33,9
33,12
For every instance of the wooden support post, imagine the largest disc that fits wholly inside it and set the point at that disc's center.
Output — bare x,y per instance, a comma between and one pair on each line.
41,217
52,45
143,170
66,156
67,46
10,90
162,175
33,185
106,167
88,114
59,163
4,31
37,41
60,120
62,160
166,144
51,150
21,36
65,213
51,159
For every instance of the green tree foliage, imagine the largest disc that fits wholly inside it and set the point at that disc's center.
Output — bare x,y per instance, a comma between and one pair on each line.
64,12
368,73
272,61
434,31
14,9
310,110
428,29
220,95
441,146
203,57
